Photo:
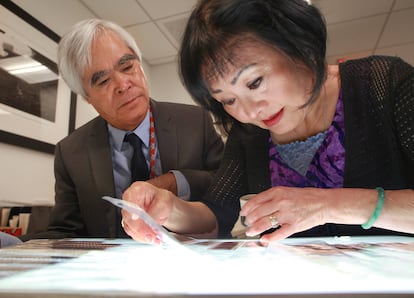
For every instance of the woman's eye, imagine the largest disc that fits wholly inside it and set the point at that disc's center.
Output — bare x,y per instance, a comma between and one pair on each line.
228,102
255,84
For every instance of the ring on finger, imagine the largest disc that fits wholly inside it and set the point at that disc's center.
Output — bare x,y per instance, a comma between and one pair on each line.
122,223
274,223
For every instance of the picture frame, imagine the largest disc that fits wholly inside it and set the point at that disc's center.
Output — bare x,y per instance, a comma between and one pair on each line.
24,127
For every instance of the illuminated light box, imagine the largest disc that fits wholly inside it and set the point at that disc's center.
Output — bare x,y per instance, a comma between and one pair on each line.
364,266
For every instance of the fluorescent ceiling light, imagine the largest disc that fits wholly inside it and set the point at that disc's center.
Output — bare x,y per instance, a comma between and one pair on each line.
27,69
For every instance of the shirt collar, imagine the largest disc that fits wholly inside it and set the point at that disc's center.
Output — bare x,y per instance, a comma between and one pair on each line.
117,135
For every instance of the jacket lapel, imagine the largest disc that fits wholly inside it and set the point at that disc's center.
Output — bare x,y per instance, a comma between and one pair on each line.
166,135
101,169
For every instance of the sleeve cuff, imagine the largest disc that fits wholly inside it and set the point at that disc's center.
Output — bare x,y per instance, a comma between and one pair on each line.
183,188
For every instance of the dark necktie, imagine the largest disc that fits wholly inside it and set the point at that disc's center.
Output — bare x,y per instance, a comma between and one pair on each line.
139,168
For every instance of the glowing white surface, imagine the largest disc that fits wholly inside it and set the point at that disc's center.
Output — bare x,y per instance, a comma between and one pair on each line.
285,268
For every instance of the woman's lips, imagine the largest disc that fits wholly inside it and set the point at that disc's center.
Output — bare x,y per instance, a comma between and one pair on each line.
273,119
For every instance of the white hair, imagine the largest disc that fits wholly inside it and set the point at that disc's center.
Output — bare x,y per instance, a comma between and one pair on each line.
74,49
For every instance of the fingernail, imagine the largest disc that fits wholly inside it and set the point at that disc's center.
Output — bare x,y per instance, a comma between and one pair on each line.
243,221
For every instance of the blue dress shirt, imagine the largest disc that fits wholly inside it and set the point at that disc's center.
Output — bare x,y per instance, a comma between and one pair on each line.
122,154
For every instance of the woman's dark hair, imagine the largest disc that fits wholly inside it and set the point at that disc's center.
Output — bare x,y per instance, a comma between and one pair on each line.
294,27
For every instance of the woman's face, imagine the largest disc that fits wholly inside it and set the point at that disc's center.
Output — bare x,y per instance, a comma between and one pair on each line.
263,88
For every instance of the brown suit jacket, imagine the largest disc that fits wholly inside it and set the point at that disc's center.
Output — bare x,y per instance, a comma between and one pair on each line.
187,142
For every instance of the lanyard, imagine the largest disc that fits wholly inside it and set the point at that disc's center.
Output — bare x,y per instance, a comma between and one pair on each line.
152,146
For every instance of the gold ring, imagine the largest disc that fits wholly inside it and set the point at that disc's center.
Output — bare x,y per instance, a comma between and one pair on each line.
122,223
273,221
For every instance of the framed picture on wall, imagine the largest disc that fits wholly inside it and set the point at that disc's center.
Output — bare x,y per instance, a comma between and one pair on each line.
36,106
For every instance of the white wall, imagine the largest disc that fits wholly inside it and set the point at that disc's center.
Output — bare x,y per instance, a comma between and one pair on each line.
26,176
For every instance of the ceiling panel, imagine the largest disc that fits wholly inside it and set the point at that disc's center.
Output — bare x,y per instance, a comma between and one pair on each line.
405,51
355,27
399,29
173,28
152,42
123,12
403,4
165,8
336,11
58,15
354,36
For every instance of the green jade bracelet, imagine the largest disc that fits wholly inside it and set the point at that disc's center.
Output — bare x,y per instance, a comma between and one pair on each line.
380,203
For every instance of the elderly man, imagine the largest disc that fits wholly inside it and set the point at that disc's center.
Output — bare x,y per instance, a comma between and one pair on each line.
180,147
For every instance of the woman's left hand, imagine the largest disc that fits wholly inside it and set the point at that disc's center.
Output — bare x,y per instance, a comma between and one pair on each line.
290,209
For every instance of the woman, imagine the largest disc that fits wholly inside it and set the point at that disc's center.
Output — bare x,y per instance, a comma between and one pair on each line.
326,148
